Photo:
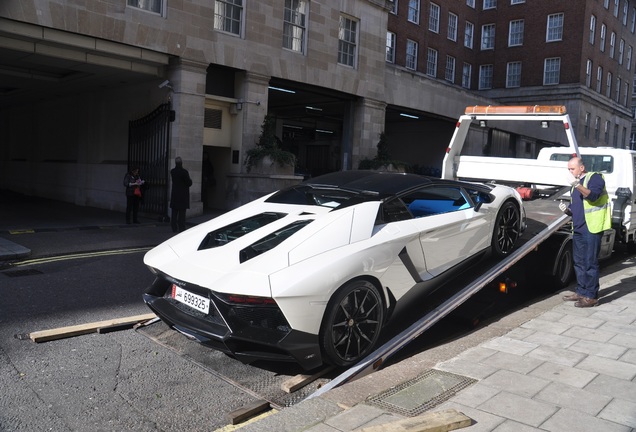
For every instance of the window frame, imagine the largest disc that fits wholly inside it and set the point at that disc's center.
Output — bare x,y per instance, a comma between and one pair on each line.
349,56
467,78
413,14
486,79
297,44
390,47
223,20
487,39
449,72
469,37
434,17
432,60
554,27
412,48
549,71
513,74
453,21
516,38
140,6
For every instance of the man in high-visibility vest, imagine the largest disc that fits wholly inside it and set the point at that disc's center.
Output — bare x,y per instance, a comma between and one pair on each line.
591,216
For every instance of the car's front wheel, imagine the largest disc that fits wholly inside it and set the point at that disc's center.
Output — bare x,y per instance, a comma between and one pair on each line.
507,229
352,323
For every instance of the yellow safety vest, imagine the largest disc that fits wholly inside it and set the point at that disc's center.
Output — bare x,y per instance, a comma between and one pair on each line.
598,214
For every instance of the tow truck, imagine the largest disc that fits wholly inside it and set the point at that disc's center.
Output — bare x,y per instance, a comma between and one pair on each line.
541,181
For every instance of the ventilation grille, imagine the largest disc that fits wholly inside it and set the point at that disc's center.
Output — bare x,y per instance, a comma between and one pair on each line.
213,118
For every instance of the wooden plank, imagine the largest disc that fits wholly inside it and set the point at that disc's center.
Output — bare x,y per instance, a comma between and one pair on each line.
293,384
440,421
244,413
80,329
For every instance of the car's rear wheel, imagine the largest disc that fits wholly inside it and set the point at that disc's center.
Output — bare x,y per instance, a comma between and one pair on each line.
352,323
507,229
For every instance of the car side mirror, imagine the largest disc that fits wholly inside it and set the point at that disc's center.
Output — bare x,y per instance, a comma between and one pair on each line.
478,206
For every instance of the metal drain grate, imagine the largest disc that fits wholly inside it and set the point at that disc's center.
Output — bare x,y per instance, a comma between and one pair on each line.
24,272
420,394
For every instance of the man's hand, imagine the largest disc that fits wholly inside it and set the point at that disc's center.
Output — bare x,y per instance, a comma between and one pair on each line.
572,181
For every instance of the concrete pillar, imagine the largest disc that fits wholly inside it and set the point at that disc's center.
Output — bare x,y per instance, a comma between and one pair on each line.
253,89
187,80
369,116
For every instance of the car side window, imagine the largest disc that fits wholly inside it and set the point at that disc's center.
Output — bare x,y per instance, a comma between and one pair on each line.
433,200
393,211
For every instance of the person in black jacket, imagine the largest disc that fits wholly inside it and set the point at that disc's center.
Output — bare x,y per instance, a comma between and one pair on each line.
180,196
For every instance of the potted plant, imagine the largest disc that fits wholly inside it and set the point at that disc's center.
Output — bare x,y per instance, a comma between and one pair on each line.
269,150
382,160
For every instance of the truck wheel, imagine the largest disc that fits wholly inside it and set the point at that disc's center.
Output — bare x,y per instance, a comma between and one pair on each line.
563,265
352,323
506,231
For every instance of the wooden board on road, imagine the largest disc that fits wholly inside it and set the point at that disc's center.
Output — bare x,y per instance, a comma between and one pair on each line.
81,329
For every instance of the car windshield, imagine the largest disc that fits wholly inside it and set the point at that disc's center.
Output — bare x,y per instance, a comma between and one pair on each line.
320,196
238,229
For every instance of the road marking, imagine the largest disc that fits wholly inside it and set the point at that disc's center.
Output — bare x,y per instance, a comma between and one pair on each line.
47,260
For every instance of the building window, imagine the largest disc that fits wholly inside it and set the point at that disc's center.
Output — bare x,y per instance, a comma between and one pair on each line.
294,25
608,85
632,27
155,6
411,54
467,72
588,73
449,74
625,12
603,37
621,51
592,29
452,27
490,4
414,11
393,4
468,34
515,34
607,131
597,129
390,47
551,71
513,74
615,141
485,77
347,41
626,95
612,44
488,37
599,79
431,62
512,2
433,18
629,58
617,90
606,4
470,3
555,28
228,16
586,131
616,7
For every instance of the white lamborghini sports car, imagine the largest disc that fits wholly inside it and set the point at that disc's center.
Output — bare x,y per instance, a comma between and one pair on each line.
312,273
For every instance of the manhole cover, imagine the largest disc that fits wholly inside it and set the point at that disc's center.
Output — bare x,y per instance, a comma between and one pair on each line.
420,394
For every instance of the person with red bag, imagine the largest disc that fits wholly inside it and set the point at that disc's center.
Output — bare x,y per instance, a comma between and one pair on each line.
133,184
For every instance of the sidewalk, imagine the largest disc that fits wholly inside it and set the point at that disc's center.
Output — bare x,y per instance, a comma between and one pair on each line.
547,367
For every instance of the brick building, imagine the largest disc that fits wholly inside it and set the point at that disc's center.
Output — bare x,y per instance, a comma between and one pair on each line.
82,82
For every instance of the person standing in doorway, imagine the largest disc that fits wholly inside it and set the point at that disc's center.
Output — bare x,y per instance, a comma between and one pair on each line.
180,196
133,184
591,215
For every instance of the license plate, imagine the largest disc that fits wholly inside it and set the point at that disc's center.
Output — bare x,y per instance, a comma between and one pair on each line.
195,301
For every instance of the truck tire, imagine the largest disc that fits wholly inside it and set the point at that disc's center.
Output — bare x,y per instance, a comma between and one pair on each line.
507,229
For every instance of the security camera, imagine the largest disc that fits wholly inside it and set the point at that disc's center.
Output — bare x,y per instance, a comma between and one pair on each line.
166,83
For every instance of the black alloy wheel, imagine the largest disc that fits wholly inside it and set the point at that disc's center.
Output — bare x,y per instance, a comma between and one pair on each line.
352,323
507,229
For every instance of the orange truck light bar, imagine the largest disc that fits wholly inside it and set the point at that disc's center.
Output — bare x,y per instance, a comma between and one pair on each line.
521,109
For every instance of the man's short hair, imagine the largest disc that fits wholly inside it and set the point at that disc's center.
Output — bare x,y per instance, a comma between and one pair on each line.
178,160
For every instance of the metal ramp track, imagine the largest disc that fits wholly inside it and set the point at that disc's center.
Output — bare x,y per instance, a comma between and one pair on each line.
376,359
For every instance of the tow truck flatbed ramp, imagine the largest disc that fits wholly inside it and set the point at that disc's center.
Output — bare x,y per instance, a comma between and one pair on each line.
537,214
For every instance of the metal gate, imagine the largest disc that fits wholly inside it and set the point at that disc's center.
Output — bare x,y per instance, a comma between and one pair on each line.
149,149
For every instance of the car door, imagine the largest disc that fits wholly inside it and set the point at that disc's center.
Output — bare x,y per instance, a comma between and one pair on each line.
451,230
